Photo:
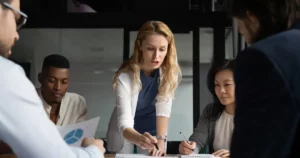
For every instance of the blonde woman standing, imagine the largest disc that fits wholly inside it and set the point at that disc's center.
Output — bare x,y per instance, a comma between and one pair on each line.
145,87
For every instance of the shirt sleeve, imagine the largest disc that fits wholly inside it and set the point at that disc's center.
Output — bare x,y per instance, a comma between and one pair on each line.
200,134
123,105
24,124
163,106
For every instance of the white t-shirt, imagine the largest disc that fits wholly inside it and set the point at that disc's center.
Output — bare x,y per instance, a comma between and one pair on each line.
223,131
72,110
24,124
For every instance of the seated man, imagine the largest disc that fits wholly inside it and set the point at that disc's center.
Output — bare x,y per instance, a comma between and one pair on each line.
61,106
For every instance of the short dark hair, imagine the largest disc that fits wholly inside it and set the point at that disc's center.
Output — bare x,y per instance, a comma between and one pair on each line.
57,61
274,16
227,64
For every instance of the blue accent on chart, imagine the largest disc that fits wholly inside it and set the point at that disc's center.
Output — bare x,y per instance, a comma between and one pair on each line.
73,136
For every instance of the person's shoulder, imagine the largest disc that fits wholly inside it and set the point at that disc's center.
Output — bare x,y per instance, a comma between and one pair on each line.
208,107
75,99
10,70
6,66
74,96
14,81
276,49
124,76
283,41
292,34
207,111
6,62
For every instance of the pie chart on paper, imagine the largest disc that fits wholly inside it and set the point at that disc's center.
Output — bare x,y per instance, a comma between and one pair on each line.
73,136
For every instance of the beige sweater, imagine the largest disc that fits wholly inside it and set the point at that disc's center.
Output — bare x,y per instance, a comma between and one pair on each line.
73,109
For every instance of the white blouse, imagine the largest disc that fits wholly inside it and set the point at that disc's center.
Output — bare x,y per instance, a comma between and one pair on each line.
223,131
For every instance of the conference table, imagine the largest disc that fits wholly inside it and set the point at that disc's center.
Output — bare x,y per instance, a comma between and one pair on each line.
14,156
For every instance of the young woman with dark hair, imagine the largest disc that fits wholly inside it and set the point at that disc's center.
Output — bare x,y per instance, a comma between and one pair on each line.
215,125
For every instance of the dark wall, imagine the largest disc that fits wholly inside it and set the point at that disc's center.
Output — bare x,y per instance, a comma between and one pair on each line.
136,5
43,6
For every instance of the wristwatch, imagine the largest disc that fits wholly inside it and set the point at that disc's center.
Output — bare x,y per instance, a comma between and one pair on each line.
162,138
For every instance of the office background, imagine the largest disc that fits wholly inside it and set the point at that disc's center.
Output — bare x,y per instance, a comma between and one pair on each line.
96,43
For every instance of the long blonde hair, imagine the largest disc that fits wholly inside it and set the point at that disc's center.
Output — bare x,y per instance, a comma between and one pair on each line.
171,73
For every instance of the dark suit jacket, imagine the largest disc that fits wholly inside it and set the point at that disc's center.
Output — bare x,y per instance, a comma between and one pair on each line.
268,98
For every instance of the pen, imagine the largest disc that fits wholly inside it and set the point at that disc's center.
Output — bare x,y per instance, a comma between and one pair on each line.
156,146
185,139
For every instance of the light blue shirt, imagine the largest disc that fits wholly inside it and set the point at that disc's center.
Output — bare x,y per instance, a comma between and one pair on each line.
24,124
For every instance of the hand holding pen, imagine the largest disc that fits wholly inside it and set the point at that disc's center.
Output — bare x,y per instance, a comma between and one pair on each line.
147,141
186,147
156,152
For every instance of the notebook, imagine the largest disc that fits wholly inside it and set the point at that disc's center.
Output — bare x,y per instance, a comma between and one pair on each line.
199,156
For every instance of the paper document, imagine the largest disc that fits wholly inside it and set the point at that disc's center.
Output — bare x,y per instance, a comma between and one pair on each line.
198,156
177,156
140,156
73,134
